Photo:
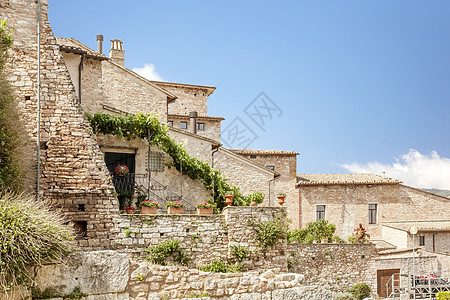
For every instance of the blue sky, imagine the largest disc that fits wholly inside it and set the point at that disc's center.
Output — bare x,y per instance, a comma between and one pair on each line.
359,83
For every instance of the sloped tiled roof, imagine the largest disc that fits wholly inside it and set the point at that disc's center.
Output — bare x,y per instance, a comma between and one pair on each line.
439,225
210,89
177,116
355,178
263,152
72,45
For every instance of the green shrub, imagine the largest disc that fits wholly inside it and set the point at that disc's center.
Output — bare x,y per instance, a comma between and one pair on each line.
360,291
443,296
240,252
268,233
343,296
313,232
31,234
170,248
220,266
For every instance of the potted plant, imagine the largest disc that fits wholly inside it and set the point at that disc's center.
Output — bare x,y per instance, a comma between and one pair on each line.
175,207
256,198
149,207
130,210
121,170
229,198
281,197
205,208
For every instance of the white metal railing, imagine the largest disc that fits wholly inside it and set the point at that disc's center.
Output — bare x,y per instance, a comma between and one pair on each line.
424,285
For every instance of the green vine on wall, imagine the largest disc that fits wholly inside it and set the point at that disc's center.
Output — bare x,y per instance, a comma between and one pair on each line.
149,128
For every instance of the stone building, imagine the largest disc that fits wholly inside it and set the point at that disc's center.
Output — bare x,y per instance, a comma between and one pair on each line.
385,207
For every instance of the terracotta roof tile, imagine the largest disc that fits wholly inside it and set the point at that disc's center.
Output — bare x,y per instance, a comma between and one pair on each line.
263,152
355,178
438,225
72,44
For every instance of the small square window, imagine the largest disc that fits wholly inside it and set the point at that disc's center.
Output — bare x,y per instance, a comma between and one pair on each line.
201,126
183,125
320,212
170,123
271,167
421,240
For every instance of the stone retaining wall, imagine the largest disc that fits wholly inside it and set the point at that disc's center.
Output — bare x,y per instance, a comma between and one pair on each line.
334,266
111,275
205,238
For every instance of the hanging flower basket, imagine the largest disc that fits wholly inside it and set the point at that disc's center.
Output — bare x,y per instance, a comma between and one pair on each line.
121,170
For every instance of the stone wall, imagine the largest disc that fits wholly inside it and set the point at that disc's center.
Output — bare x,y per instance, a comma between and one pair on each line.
111,275
243,173
211,128
73,173
240,222
205,238
190,98
127,91
202,238
334,266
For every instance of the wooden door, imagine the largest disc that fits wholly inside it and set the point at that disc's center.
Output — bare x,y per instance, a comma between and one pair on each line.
383,276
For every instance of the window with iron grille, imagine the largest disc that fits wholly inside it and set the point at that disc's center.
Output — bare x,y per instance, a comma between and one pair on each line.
320,212
372,214
156,161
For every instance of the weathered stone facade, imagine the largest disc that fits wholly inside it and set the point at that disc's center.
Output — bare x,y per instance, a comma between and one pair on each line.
210,128
205,238
336,267
73,174
347,205
110,275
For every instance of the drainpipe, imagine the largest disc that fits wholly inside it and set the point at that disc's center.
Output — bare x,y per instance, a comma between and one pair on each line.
38,167
212,165
434,241
80,68
270,190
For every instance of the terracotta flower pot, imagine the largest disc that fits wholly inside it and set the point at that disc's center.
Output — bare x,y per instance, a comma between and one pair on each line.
130,211
229,199
175,210
205,211
253,203
281,200
149,210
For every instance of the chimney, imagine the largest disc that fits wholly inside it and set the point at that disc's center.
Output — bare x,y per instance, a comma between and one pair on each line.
193,121
99,43
116,54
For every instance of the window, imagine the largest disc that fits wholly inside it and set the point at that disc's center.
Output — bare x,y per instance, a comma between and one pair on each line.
320,209
421,240
201,126
156,161
183,125
252,156
170,123
372,214
271,167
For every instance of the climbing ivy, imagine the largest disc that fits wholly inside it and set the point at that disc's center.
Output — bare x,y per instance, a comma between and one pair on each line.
149,128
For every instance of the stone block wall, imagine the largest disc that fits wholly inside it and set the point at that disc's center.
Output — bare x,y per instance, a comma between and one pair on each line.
190,98
202,238
334,266
73,173
240,222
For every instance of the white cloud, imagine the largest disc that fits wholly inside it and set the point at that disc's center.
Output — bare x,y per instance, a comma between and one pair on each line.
148,71
413,168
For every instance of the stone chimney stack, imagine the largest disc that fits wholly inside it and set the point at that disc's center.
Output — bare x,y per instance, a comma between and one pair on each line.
99,43
193,121
116,54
